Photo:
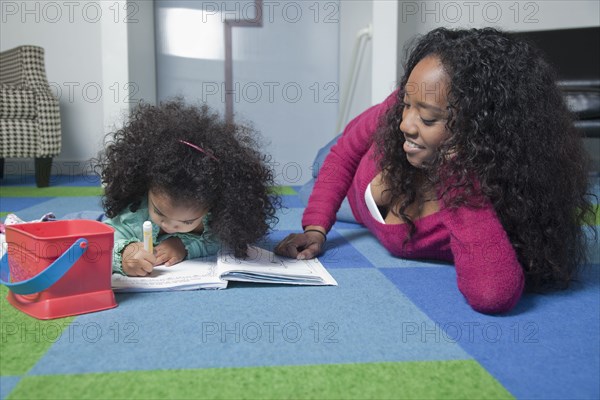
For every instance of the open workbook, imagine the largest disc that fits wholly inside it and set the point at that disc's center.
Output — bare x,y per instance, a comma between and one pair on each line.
261,266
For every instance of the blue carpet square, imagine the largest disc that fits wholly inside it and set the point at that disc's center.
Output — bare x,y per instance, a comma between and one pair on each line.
18,204
290,219
361,320
291,202
7,384
60,206
547,347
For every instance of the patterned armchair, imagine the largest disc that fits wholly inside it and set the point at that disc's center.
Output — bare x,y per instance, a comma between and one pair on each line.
29,112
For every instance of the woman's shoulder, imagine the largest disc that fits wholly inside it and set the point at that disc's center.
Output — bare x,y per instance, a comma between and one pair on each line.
360,131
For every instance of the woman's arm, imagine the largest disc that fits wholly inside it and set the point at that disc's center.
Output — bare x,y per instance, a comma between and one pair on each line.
332,184
338,169
488,272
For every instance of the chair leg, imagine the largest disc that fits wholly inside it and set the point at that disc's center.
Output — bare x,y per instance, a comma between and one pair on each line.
43,166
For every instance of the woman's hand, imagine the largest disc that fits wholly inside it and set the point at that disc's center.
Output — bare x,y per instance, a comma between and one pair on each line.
170,252
136,261
303,246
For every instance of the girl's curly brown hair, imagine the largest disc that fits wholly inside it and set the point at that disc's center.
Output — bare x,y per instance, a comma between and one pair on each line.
233,180
511,139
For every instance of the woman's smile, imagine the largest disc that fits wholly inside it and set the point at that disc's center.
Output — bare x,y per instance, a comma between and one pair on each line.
412,147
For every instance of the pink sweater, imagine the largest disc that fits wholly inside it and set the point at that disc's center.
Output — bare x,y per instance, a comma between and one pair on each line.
488,272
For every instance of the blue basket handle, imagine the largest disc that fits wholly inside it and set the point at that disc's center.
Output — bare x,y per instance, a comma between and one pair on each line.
48,276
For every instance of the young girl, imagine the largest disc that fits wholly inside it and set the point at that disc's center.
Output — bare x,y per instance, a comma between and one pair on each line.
474,160
198,179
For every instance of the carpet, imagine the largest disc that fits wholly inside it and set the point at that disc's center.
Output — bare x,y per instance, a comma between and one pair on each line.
393,328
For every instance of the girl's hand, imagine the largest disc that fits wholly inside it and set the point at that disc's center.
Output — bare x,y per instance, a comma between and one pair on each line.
302,246
170,252
136,260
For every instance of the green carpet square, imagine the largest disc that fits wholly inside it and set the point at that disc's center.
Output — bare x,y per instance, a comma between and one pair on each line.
53,191
411,380
23,339
283,190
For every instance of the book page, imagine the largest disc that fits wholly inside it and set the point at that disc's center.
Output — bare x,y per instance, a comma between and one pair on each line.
265,266
186,275
201,273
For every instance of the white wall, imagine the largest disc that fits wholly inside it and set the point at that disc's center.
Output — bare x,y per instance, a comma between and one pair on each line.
87,64
285,73
73,65
98,63
378,74
299,57
385,57
355,16
141,46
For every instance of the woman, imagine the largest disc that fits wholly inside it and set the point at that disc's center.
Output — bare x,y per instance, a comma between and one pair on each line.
474,160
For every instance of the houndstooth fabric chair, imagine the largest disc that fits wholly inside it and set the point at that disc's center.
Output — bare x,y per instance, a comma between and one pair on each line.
29,112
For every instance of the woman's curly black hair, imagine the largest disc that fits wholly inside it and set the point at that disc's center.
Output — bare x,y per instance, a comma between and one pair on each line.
511,139
233,179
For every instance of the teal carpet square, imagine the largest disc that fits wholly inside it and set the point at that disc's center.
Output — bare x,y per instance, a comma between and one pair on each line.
364,242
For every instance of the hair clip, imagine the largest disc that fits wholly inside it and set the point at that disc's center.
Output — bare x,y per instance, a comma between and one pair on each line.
200,149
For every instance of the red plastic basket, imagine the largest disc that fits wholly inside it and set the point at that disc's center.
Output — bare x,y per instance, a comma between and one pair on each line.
34,249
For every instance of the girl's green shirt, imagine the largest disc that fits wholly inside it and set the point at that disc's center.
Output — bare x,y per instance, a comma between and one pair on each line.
128,229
